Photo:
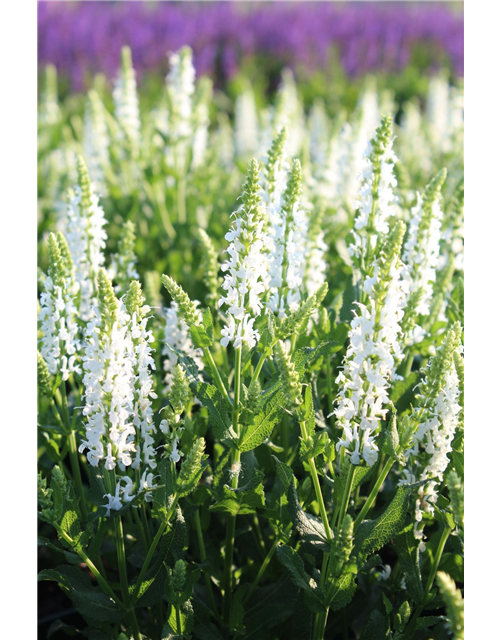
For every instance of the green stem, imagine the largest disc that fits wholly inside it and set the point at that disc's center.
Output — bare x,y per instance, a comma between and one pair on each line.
407,364
231,520
259,366
317,487
73,453
374,492
100,579
122,571
430,581
347,492
179,621
203,557
435,563
152,549
329,387
216,374
319,623
283,537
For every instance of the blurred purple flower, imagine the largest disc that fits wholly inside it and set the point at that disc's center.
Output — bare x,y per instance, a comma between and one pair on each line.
82,38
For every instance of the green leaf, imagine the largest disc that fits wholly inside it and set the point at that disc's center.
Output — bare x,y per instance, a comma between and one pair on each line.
390,442
189,366
403,391
243,500
377,627
97,485
408,554
345,588
285,474
71,527
309,527
203,335
192,468
263,423
374,534
291,560
349,297
203,628
165,488
170,629
428,621
457,461
219,411
88,600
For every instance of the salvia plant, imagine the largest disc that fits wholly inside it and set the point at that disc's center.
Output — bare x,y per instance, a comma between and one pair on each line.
250,365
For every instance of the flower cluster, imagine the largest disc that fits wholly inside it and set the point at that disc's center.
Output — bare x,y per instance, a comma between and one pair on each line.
118,387
437,420
86,238
288,232
180,90
373,354
176,335
246,266
421,254
123,265
376,202
60,344
173,425
127,102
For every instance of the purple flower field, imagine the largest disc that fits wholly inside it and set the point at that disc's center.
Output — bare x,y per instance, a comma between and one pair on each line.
82,38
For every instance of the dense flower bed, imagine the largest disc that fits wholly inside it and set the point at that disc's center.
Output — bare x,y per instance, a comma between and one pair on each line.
87,36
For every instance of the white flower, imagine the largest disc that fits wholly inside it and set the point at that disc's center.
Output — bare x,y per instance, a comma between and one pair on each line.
180,86
60,330
127,102
176,334
118,392
288,226
435,436
371,359
86,240
245,268
246,126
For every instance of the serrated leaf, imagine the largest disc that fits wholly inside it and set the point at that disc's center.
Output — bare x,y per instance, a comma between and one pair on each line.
285,474
242,500
170,629
165,489
263,423
291,560
374,534
219,411
408,554
88,600
202,335
345,588
390,442
190,367
309,527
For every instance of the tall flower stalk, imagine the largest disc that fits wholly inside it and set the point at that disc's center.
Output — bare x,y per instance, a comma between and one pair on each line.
58,315
372,355
86,239
245,267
